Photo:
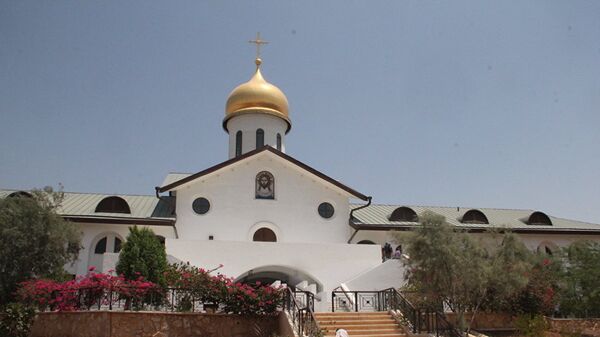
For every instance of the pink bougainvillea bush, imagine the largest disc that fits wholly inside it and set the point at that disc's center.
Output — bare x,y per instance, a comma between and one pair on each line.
84,292
248,299
187,285
236,298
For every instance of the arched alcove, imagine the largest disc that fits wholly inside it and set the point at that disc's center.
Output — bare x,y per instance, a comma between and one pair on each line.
264,234
286,274
113,204
404,214
539,219
474,216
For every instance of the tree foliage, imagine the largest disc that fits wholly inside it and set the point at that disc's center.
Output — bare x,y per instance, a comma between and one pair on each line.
34,240
143,255
541,294
581,280
448,266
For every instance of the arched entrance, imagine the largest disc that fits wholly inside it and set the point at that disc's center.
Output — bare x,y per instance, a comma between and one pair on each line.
290,276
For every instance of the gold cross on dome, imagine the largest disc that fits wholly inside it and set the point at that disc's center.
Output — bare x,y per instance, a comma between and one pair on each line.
258,42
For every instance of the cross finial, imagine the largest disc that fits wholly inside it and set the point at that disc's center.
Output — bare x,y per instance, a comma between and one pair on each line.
258,42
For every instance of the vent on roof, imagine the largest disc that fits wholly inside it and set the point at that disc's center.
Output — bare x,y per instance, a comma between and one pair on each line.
20,194
113,205
474,216
405,214
539,219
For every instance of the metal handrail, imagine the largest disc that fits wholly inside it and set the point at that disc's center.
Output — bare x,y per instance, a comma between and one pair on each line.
303,318
418,321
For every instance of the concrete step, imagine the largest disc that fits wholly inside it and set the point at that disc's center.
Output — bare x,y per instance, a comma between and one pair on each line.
370,331
351,314
356,321
361,324
374,335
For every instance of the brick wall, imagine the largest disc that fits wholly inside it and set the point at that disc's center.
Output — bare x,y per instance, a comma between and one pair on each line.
154,324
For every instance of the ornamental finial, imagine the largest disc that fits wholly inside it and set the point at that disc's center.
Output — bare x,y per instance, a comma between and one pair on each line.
258,42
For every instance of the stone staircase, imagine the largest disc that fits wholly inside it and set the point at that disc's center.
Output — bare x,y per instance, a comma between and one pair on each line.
359,324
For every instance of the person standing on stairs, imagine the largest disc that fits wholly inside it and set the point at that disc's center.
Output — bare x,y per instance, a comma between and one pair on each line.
341,333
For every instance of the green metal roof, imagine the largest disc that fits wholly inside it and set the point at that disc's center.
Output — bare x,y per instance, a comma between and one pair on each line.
377,217
84,205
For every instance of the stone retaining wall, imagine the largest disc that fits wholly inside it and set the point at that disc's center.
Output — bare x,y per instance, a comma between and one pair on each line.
155,324
574,327
485,320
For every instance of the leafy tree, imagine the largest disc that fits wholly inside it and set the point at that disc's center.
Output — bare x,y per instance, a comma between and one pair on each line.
143,255
448,266
540,295
581,288
34,240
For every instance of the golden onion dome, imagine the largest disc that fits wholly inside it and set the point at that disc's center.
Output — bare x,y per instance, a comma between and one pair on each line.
257,96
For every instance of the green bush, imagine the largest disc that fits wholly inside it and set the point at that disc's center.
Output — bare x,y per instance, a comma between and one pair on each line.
143,256
531,326
15,320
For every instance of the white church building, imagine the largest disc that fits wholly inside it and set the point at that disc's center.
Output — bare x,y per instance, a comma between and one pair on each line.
264,214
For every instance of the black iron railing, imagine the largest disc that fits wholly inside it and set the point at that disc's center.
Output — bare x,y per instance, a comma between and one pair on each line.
417,320
169,299
305,299
301,315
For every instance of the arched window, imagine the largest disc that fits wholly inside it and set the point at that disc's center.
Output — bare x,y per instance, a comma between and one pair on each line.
264,235
365,242
547,247
539,218
238,143
113,205
260,138
279,142
102,245
474,216
265,185
404,214
20,194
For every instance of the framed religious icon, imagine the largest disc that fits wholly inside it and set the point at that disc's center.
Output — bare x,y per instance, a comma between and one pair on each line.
265,186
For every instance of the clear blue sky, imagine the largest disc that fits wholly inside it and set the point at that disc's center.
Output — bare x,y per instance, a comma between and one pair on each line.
453,103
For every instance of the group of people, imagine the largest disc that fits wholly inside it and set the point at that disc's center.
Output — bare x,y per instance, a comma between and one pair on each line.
388,253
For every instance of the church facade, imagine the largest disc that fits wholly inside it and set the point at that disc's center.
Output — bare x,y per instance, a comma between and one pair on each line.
264,215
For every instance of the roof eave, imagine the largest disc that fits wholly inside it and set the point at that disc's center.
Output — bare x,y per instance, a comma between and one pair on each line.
231,161
119,220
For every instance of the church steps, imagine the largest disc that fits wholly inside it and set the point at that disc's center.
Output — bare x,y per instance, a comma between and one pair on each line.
356,322
373,324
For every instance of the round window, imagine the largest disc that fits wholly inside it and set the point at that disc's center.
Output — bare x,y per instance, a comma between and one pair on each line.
326,210
201,205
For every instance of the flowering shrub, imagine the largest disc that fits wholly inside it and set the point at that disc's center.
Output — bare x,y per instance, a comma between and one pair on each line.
85,292
246,299
540,294
188,285
235,298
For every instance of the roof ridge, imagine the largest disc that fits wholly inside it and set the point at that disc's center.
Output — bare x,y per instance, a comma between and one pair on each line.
453,207
88,193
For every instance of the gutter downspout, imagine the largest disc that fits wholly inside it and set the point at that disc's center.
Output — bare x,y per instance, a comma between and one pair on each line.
159,198
351,215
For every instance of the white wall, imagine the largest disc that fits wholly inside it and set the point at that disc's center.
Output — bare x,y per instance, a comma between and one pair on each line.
248,124
329,264
91,233
235,214
531,241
